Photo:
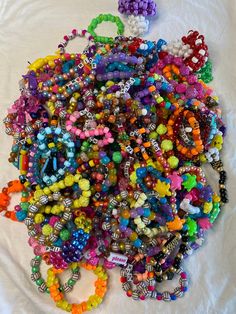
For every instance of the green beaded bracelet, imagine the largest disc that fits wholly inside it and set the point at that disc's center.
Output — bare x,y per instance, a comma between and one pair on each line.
40,282
105,18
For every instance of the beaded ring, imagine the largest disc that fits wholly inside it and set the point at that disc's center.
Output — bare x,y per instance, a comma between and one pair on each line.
47,148
93,301
42,285
105,18
49,234
12,187
178,291
75,33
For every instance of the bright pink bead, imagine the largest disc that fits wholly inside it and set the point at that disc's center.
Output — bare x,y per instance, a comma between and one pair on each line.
159,297
142,297
183,275
53,220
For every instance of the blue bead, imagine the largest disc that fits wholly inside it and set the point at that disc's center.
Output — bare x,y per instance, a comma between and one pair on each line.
141,172
173,297
124,222
147,212
163,200
137,243
185,289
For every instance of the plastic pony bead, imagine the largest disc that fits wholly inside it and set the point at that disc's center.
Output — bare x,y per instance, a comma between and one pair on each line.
178,48
185,205
176,224
138,25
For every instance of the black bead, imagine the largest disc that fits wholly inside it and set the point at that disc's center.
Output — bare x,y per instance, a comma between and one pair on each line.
160,255
159,278
184,238
170,275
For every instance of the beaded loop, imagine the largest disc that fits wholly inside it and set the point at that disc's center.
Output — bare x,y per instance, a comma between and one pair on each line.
75,33
105,18
92,302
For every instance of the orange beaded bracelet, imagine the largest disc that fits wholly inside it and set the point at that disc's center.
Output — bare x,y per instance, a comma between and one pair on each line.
14,186
92,302
190,151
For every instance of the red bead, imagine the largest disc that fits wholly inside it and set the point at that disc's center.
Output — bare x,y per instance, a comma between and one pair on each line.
162,54
123,279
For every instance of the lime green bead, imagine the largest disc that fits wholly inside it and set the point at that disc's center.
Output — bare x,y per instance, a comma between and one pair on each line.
47,230
161,129
166,145
173,162
153,135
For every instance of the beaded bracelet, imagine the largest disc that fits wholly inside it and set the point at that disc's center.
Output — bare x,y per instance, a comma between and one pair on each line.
49,234
105,18
68,181
42,285
74,33
93,301
178,291
47,148
12,187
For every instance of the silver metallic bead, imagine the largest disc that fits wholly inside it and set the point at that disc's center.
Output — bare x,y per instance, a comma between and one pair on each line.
42,288
106,226
33,209
166,296
178,292
56,196
67,216
35,276
67,288
126,286
135,295
67,202
43,199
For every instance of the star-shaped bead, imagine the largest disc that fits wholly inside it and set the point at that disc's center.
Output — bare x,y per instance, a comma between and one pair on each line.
189,181
162,188
176,181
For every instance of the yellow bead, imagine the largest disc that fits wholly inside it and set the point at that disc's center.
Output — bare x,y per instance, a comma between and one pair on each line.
47,209
38,193
86,193
69,180
84,201
51,145
47,230
54,187
84,184
46,191
76,203
39,218
91,163
77,177
133,236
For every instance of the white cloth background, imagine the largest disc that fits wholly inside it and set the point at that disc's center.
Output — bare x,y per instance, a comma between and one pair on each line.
30,29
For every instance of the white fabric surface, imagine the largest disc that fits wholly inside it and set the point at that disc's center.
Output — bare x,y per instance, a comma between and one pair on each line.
30,29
